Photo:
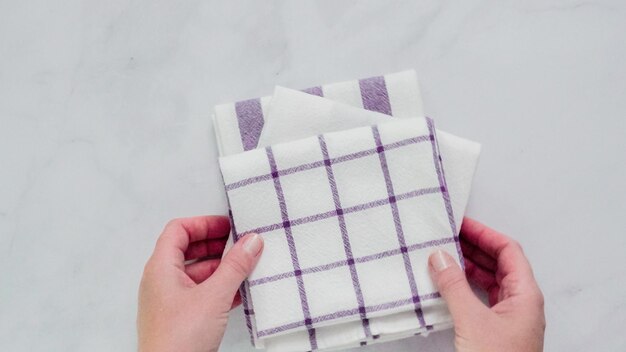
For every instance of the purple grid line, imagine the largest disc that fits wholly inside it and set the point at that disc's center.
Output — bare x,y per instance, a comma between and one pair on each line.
316,164
374,94
349,312
246,302
444,187
250,119
348,210
345,237
248,310
396,220
359,260
292,249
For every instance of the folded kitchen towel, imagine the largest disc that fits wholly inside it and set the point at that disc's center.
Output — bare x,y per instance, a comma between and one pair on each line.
238,125
293,115
346,254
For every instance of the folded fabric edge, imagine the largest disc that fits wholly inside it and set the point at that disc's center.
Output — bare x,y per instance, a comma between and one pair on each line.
315,89
293,341
431,128
218,134
259,344
248,116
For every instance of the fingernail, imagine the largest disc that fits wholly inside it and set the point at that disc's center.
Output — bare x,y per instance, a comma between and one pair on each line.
440,260
253,244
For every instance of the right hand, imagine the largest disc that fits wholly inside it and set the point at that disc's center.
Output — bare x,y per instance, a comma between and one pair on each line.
515,321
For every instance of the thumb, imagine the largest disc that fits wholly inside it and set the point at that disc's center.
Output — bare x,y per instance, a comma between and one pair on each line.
453,286
236,265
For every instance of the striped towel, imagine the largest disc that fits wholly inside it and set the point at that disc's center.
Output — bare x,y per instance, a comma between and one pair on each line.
239,125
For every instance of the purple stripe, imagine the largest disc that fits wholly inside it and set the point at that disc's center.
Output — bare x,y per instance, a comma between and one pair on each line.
403,250
352,209
292,248
250,118
344,236
248,181
349,312
341,263
398,224
411,248
442,183
247,310
374,94
243,292
316,164
314,91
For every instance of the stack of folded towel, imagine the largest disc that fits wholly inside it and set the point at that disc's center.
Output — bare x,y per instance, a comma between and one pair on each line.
351,189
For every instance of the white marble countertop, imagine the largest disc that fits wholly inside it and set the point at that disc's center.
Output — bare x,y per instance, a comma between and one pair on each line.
105,135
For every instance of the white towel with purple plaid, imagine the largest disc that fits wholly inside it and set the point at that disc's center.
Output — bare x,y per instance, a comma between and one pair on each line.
294,115
287,116
348,220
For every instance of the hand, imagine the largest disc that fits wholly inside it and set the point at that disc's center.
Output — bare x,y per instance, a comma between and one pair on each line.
515,322
185,307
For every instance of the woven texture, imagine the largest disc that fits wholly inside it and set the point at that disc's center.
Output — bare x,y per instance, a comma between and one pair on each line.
348,219
295,115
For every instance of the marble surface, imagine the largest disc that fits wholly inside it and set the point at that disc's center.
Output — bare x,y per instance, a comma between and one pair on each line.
105,135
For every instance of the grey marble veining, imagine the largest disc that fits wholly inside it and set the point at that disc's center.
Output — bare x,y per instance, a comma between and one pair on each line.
105,135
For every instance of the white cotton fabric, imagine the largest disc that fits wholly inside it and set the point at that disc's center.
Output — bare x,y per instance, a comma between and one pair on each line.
423,219
293,115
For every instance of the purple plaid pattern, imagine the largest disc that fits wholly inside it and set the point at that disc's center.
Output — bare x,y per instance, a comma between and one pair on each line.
316,164
292,248
339,212
349,312
444,187
396,219
363,259
344,236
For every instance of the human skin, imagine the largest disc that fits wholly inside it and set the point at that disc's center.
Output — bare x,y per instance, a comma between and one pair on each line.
185,307
494,262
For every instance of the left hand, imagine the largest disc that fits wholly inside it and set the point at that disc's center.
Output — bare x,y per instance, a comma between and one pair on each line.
185,307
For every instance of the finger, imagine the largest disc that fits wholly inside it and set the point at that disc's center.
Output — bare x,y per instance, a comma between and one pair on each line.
514,273
236,265
200,271
507,252
486,239
179,233
236,300
207,248
476,255
200,228
494,295
454,288
484,279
